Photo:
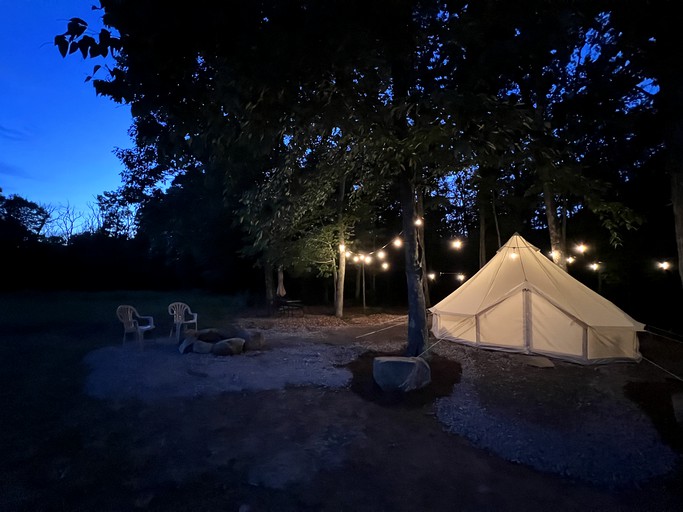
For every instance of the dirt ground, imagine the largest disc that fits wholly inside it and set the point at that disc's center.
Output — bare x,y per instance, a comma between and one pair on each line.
354,448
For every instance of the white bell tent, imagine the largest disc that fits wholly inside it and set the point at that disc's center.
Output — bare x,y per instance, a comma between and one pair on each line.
521,301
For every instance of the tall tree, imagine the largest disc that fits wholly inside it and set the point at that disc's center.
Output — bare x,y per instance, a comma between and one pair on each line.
414,88
23,221
649,36
225,88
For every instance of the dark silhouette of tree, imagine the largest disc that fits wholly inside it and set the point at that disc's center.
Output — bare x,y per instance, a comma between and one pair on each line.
649,37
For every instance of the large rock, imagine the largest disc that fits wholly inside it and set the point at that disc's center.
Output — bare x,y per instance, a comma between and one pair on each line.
202,347
234,331
255,341
231,340
186,346
229,347
396,373
210,335
213,335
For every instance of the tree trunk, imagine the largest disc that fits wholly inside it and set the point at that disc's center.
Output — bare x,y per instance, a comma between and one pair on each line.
677,202
281,292
357,293
268,275
482,235
421,243
401,69
326,289
341,275
671,105
363,283
339,288
563,241
557,251
495,218
418,332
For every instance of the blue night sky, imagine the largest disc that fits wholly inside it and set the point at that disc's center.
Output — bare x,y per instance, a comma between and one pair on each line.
57,136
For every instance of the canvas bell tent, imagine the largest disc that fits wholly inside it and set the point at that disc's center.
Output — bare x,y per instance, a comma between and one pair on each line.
521,301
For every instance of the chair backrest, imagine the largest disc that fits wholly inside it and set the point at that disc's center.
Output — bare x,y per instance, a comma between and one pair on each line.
127,315
178,310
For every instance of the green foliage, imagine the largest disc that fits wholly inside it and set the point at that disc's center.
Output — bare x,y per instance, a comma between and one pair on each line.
305,116
616,218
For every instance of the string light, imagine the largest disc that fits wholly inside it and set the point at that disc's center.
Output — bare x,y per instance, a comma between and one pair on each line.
397,242
459,276
367,258
381,255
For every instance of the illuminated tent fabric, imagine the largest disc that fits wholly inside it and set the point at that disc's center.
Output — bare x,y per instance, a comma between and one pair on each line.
521,301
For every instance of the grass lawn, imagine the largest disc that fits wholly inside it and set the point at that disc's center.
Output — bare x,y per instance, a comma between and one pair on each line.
45,336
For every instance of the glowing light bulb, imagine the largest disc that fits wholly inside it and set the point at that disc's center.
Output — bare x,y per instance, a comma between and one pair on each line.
418,222
582,248
356,259
381,255
368,259
431,276
571,259
385,265
664,265
397,242
594,266
342,247
456,244
460,277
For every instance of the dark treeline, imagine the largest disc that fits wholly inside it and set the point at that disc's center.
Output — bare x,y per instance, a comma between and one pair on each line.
99,261
40,256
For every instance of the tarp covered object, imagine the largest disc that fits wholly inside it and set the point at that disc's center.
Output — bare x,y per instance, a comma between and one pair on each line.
521,301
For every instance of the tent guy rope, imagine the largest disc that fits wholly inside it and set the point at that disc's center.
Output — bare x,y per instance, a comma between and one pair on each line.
663,369
401,319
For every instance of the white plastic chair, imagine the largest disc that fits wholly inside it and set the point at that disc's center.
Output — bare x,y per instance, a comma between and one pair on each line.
182,316
133,322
